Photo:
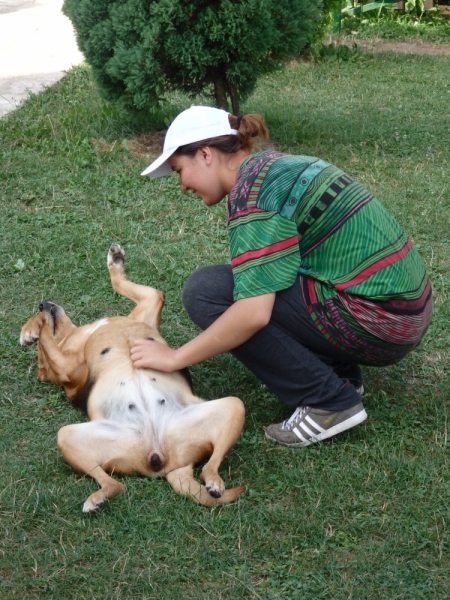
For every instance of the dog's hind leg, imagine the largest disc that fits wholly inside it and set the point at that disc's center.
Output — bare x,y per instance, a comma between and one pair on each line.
183,482
210,428
149,301
223,428
96,447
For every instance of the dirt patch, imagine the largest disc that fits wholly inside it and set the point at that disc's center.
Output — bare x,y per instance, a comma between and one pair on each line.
150,145
379,45
147,145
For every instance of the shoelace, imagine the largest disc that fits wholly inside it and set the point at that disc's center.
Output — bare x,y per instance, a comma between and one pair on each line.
294,418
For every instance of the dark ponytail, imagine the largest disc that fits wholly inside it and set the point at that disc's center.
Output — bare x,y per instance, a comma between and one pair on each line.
250,129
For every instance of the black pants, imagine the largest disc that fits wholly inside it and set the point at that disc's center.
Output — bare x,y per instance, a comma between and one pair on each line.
290,355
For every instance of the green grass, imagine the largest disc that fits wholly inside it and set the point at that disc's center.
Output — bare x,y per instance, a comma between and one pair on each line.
362,516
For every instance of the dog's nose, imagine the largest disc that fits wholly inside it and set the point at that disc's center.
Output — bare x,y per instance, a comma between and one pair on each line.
41,306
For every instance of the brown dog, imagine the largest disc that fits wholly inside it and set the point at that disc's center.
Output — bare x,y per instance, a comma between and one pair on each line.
141,421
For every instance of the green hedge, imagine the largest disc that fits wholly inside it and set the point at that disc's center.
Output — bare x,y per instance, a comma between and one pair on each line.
141,49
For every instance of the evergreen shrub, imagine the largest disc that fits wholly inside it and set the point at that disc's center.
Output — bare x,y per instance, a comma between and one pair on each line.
141,49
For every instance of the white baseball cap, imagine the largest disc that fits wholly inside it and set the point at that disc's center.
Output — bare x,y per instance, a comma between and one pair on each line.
192,125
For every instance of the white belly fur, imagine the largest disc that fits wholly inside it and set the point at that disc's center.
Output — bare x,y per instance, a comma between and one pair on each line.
138,398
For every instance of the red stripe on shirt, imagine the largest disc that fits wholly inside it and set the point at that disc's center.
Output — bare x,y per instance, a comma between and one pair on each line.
381,264
267,250
244,213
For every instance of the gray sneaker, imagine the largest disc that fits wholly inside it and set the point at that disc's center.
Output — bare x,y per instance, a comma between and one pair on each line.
308,425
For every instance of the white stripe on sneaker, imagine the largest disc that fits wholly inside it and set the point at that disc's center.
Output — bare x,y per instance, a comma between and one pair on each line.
314,424
311,434
299,435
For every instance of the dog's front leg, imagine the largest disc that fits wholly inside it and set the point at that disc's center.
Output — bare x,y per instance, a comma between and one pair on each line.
149,301
30,334
31,331
52,364
60,367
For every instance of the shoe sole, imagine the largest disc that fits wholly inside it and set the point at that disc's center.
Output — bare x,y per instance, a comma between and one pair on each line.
339,428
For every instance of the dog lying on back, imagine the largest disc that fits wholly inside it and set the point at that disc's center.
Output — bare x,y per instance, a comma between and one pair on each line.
140,421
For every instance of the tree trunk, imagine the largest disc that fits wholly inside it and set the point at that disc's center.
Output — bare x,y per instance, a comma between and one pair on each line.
234,99
220,93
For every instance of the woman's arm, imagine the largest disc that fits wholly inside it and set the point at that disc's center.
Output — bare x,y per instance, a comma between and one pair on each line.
234,327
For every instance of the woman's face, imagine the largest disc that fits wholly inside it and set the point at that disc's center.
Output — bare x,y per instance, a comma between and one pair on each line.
201,174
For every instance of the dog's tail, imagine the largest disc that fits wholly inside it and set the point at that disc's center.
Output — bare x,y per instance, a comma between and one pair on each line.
183,482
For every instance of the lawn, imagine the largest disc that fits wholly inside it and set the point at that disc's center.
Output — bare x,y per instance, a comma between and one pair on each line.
364,515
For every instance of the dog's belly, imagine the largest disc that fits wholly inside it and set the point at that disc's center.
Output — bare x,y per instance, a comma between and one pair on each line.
121,392
142,406
135,396
139,405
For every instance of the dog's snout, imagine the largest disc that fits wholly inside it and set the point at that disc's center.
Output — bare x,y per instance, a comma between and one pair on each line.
44,305
48,307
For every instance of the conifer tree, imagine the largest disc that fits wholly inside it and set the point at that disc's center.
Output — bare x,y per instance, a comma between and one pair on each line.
141,49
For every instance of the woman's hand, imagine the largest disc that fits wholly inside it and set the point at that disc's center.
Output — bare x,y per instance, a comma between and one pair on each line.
148,354
235,326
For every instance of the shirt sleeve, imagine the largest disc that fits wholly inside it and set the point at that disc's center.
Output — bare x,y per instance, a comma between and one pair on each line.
265,255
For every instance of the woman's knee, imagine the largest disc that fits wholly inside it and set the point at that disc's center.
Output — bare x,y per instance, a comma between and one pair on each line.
207,293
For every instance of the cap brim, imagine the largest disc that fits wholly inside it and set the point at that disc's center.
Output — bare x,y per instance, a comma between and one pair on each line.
160,166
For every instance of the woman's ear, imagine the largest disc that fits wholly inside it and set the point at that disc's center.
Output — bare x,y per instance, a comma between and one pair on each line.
205,153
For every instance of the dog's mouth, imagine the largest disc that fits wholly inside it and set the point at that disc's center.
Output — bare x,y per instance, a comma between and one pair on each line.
52,313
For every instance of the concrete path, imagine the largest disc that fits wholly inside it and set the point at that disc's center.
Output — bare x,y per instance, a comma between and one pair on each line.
37,44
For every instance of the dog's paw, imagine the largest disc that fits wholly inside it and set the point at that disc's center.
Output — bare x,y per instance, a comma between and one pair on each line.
98,499
215,487
214,491
90,506
212,480
116,256
28,338
31,331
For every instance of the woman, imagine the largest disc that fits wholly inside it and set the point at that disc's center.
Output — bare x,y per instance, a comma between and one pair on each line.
322,278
